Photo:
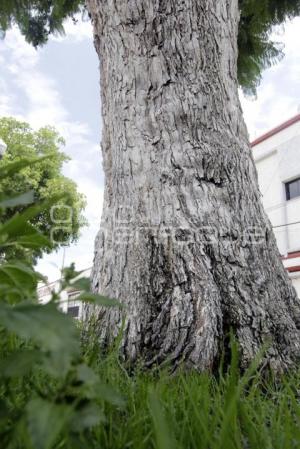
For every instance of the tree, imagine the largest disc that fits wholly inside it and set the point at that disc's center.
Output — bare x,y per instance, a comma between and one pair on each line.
185,243
256,49
37,19
44,179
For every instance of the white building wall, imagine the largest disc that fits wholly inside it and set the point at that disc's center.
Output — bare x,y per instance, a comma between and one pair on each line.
278,161
67,297
296,283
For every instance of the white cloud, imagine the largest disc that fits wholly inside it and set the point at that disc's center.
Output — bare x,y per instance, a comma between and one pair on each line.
278,96
42,104
75,31
6,100
268,110
16,49
75,133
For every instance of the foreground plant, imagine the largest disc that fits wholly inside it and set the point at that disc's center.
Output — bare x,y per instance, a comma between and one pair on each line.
48,394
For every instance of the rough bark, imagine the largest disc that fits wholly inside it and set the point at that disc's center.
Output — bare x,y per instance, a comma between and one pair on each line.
184,242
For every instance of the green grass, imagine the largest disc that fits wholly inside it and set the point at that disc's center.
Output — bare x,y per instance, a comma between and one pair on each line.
199,411
173,411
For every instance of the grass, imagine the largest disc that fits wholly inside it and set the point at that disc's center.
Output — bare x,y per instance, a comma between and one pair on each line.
199,411
185,410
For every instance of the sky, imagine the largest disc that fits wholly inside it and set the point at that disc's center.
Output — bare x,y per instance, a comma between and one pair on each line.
58,85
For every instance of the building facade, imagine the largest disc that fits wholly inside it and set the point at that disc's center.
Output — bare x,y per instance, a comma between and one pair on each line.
68,302
277,158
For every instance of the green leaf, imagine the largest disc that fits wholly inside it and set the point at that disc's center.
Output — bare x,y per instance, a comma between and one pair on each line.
4,410
18,231
107,393
19,363
88,416
4,415
99,300
18,225
18,276
13,167
163,436
18,200
45,422
52,330
96,389
11,295
86,374
33,241
83,284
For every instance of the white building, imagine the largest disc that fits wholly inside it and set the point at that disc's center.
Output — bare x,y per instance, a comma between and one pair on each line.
277,158
68,302
3,147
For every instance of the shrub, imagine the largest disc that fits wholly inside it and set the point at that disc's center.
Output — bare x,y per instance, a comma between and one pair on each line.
49,395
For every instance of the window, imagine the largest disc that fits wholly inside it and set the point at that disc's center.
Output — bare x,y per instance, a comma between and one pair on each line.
73,311
292,189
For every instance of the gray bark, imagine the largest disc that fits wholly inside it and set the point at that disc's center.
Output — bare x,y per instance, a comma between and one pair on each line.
184,243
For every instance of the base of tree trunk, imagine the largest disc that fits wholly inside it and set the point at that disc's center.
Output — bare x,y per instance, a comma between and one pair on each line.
189,296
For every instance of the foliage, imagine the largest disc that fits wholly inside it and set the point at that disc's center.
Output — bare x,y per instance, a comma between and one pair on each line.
44,180
37,19
257,51
48,394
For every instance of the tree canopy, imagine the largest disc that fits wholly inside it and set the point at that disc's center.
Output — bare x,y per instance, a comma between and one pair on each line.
44,179
37,19
257,50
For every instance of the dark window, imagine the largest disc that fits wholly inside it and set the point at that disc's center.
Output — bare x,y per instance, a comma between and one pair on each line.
292,189
73,311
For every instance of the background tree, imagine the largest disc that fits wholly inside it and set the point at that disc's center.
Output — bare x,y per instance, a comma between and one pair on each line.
44,179
185,243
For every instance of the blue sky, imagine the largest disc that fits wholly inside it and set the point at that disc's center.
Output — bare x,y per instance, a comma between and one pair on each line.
59,85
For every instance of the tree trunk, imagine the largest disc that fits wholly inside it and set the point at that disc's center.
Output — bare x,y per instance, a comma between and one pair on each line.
184,242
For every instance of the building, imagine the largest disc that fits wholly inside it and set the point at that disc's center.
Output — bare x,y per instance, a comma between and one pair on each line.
277,158
68,302
3,148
